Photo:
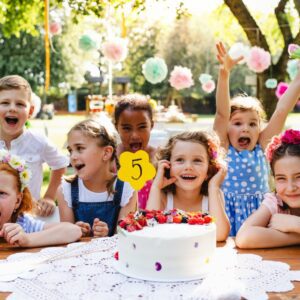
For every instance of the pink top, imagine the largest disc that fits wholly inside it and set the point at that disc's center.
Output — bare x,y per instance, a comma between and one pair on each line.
274,204
144,194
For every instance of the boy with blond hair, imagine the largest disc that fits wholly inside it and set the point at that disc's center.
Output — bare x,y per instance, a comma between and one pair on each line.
16,108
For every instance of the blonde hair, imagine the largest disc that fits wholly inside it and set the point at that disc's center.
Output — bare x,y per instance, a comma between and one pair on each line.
15,82
92,128
246,103
211,143
26,202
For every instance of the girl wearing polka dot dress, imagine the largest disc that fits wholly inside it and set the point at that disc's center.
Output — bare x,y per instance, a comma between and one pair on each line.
277,221
239,124
189,177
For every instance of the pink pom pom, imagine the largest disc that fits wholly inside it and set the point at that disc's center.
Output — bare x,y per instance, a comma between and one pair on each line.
181,78
281,88
292,48
208,86
258,59
55,28
115,50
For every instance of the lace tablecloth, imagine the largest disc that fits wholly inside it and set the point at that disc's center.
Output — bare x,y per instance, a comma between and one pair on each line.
85,271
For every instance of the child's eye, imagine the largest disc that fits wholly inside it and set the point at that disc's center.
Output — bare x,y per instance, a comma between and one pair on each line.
179,160
237,123
2,193
126,129
253,124
21,104
4,103
279,178
197,160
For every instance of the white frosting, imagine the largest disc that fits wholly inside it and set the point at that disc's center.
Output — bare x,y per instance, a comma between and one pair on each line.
166,252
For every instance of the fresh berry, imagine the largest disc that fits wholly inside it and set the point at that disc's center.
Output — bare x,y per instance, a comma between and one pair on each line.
161,219
149,215
131,228
177,219
207,219
116,255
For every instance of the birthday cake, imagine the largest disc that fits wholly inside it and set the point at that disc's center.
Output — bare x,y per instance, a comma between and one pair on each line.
165,246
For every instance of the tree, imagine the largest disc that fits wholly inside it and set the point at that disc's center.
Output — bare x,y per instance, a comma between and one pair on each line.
257,38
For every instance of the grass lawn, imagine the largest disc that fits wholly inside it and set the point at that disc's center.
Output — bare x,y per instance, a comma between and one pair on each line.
58,128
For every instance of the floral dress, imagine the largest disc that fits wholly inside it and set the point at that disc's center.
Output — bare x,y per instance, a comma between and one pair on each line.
245,184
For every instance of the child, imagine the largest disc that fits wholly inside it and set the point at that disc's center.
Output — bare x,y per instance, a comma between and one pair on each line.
239,126
134,121
94,198
190,173
15,109
17,227
277,221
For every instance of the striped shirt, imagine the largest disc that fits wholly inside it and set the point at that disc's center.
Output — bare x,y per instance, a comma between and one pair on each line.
30,224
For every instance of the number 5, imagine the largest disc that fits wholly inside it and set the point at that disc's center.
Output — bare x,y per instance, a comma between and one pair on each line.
137,165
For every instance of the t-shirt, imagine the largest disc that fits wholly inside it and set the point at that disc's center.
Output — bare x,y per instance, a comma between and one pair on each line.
86,195
30,224
274,204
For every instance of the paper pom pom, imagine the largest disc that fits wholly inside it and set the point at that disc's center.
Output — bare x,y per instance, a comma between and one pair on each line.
258,59
181,78
115,50
36,101
155,70
271,83
281,88
292,68
55,28
294,51
237,50
203,78
208,86
87,42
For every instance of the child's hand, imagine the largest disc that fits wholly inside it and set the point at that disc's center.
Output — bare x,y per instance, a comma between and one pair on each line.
227,63
285,223
14,234
100,228
85,228
161,179
45,207
219,177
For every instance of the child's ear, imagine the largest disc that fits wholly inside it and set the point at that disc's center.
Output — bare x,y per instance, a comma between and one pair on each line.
31,109
19,200
108,151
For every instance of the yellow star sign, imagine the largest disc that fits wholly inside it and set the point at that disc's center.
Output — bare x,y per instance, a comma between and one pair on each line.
136,168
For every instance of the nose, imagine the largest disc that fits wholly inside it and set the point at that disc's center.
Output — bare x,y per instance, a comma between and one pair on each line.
134,135
291,185
188,165
245,127
12,107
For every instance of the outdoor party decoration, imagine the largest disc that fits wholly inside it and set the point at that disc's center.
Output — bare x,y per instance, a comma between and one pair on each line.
237,50
55,28
292,68
115,49
203,78
271,83
258,59
294,51
87,42
155,70
209,86
281,88
181,78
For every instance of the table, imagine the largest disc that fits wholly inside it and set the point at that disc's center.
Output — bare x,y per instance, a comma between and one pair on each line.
289,255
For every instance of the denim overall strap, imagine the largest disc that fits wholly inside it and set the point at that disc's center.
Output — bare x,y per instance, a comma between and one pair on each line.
74,193
117,202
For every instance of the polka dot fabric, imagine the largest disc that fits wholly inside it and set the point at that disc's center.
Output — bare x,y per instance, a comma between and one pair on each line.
143,194
245,184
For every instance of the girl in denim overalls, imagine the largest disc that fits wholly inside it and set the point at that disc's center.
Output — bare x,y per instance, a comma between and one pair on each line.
94,198
239,124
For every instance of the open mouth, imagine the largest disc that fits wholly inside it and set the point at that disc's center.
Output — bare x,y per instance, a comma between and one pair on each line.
188,177
79,167
244,142
11,120
135,146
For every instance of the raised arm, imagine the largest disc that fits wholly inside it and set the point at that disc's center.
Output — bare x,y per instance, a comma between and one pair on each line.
222,94
255,232
284,106
216,204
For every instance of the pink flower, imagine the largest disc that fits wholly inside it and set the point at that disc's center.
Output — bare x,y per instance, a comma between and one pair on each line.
55,28
281,88
291,137
258,59
272,146
115,50
292,48
181,78
209,86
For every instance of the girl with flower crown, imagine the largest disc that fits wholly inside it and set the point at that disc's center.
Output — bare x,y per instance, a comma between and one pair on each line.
189,175
16,226
277,222
240,126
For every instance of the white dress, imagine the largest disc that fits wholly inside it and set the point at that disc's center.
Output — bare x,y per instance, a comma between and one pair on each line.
170,203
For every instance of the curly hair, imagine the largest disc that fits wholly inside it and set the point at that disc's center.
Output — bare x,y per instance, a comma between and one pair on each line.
27,203
245,103
211,143
132,102
92,128
15,82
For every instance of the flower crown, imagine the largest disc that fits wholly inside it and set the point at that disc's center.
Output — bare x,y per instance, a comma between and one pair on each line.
18,164
213,152
290,136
